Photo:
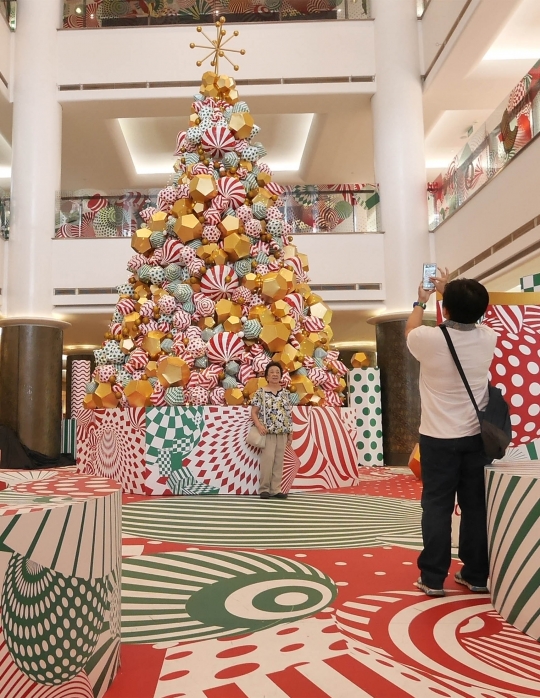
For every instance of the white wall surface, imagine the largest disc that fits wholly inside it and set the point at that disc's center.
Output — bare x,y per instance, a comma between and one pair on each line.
149,54
334,259
507,202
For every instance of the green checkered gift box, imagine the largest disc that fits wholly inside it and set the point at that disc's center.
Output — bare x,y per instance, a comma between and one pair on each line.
530,283
365,395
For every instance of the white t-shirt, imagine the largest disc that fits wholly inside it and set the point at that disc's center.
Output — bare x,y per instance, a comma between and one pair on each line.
447,410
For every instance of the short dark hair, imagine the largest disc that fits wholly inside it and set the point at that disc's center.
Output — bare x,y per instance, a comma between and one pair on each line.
273,363
466,300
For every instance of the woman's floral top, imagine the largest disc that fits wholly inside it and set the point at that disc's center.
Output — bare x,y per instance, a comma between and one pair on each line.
277,410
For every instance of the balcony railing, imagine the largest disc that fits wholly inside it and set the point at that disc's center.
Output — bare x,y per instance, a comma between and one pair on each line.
8,10
4,215
310,209
94,14
491,148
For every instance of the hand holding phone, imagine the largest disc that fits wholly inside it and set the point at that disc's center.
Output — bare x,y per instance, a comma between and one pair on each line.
429,271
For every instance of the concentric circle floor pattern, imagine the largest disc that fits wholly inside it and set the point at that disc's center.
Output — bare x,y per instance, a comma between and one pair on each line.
302,521
312,597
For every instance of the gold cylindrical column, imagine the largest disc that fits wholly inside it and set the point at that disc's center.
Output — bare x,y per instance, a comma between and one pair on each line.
400,395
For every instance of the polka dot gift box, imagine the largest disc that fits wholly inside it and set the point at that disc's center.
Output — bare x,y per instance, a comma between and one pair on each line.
365,395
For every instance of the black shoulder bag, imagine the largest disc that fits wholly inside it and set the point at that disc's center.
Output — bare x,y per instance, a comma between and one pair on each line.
495,427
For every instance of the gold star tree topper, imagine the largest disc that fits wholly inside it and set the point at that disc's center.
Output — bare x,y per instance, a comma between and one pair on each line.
217,46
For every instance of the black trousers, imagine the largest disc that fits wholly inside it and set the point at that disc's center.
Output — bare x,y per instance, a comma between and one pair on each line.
450,467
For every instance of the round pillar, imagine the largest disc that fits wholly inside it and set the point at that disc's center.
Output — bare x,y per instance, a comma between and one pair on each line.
31,382
31,348
400,395
398,132
36,161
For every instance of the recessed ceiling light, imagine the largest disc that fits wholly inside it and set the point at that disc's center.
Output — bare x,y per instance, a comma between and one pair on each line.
514,54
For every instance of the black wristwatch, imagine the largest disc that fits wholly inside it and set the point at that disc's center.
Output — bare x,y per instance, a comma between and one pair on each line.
422,305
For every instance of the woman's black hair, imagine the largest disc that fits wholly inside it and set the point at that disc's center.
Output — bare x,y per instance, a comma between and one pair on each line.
273,363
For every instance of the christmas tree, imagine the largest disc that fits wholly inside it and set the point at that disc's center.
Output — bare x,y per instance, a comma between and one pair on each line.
217,289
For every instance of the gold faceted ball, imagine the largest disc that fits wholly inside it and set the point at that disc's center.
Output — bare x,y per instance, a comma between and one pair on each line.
209,77
303,387
288,358
158,221
89,402
289,277
253,385
226,309
342,385
130,325
104,396
290,251
230,225
263,197
304,259
267,317
203,188
173,371
322,311
250,281
274,336
289,322
140,241
188,228
241,124
307,347
206,323
233,324
263,178
220,257
152,343
280,308
234,396
224,82
313,298
237,246
360,360
182,207
142,291
138,393
274,286
257,312
328,332
127,345
205,252
151,369
304,290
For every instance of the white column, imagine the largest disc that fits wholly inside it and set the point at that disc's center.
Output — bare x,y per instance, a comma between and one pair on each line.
36,160
398,129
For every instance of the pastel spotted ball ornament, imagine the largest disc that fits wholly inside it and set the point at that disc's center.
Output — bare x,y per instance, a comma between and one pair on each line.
157,275
174,396
157,239
173,272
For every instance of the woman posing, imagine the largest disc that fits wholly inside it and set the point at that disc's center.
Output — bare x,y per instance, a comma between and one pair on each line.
271,413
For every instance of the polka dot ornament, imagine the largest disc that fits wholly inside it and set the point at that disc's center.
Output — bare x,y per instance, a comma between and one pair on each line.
51,623
365,395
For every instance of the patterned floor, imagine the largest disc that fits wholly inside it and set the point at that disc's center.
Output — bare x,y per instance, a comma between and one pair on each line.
313,597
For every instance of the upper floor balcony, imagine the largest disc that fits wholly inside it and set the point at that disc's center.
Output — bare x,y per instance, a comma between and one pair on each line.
95,14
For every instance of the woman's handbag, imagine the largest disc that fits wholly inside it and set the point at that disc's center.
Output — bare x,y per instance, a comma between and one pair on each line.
254,437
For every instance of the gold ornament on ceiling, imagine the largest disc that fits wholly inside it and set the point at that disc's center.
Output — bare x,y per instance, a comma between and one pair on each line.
217,46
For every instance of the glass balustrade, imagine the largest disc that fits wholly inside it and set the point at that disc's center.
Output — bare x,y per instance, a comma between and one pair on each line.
4,215
514,124
310,209
86,14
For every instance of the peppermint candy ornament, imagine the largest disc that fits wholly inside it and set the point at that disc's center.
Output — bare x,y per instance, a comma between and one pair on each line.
225,347
313,324
231,189
204,305
217,396
219,282
171,251
217,141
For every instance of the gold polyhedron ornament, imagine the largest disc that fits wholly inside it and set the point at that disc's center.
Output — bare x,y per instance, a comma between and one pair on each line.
303,387
152,343
140,241
173,371
274,336
253,385
188,228
241,124
360,360
234,396
203,188
158,222
138,393
104,396
237,246
226,309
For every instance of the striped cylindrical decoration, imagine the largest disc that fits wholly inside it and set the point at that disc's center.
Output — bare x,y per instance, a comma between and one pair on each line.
365,395
69,436
513,510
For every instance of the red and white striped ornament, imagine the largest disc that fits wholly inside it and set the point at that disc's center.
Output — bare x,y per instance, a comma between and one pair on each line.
125,306
245,373
171,252
318,376
218,140
219,282
180,142
204,305
217,396
313,324
224,347
231,189
211,233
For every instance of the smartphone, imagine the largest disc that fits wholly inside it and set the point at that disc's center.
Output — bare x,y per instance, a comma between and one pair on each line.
429,270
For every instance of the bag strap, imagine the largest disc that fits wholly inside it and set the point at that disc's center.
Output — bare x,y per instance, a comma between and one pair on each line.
460,368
